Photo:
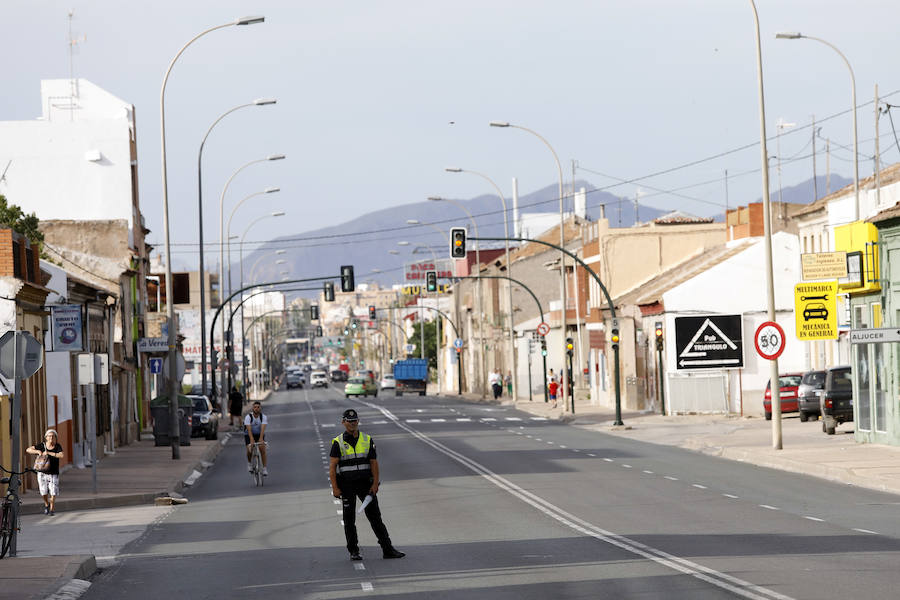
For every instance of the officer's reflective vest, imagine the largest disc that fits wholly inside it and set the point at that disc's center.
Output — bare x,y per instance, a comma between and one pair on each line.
354,459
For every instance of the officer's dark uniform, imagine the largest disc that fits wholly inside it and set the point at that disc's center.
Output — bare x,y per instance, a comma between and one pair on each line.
354,478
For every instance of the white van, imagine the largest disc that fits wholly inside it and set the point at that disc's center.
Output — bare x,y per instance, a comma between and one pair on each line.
318,379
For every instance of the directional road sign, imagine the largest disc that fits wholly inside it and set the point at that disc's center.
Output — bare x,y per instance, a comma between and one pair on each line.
156,365
874,336
709,342
458,343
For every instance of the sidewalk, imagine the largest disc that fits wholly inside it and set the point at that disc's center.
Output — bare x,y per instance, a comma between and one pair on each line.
136,474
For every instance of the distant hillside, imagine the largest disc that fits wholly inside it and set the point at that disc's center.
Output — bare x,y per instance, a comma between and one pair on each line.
365,241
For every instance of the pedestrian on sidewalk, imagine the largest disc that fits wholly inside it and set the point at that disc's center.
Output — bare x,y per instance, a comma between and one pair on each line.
508,382
235,406
553,388
48,481
353,471
496,381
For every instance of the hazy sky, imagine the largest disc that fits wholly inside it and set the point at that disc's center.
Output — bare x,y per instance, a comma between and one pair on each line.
375,98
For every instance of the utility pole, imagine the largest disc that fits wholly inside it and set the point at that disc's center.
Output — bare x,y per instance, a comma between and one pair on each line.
815,183
877,153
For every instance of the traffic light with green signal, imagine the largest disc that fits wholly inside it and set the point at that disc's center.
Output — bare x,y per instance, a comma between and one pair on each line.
431,281
457,242
543,347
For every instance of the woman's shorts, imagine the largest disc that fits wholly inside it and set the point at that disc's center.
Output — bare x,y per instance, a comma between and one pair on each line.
48,484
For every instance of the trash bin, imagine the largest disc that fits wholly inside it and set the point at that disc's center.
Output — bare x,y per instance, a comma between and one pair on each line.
159,411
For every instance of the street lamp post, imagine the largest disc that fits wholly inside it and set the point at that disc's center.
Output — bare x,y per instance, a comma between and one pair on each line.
793,35
243,349
222,239
257,102
562,257
767,229
478,289
512,333
170,307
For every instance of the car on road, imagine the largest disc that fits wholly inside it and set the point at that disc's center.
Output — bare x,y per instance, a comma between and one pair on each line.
368,374
295,379
388,382
338,375
360,386
808,393
318,379
836,402
788,384
205,420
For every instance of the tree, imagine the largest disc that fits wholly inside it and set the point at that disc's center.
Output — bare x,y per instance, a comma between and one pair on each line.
13,217
430,341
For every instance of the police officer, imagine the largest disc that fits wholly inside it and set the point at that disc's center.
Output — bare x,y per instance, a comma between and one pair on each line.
353,470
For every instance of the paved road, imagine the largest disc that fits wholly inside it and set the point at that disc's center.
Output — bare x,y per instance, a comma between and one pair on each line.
493,503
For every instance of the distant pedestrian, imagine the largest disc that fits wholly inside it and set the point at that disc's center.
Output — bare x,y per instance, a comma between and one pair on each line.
496,381
508,382
48,481
553,388
235,406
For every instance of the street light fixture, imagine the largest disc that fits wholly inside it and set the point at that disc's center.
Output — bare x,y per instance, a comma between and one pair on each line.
512,334
562,255
795,35
257,102
170,307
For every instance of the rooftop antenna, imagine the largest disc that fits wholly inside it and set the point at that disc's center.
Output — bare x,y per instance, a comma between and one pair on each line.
73,83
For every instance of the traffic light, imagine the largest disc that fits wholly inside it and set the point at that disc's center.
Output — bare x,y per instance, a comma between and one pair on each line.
347,283
457,242
569,347
354,324
346,331
313,312
614,338
431,281
318,331
659,337
329,291
371,313
543,347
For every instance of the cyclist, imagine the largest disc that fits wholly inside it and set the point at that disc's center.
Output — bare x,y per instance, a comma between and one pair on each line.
255,431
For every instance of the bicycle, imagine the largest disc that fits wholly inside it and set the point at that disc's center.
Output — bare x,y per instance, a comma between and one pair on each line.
9,512
256,467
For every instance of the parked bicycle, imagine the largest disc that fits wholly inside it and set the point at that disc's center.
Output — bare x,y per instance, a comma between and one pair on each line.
256,466
9,511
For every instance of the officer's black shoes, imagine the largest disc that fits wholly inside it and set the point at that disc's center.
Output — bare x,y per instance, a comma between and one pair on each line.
355,556
393,553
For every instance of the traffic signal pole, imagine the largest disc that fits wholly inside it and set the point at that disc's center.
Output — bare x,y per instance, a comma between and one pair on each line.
612,310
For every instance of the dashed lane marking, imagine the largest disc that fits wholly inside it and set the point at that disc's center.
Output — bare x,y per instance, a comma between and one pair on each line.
463,420
769,507
648,472
413,421
732,496
488,419
366,586
816,519
865,531
439,420
359,566
670,478
608,460
513,419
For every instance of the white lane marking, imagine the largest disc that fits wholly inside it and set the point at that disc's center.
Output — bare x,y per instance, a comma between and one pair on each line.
439,420
420,410
670,478
626,466
513,419
561,446
336,501
648,472
324,425
608,459
378,423
366,586
413,421
575,450
732,496
551,443
724,581
816,519
698,486
768,507
539,418
463,420
594,455
340,512
359,566
866,531
488,419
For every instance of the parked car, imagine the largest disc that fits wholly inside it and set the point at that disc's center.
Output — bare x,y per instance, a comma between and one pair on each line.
295,379
788,384
318,379
205,421
360,386
388,382
808,393
338,375
836,402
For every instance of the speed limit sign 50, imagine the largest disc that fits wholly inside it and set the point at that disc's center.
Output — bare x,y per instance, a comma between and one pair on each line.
769,340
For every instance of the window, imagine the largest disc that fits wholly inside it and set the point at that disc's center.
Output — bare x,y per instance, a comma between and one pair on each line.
181,294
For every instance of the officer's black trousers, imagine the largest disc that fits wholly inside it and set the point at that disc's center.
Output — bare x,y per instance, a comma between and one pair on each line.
350,491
